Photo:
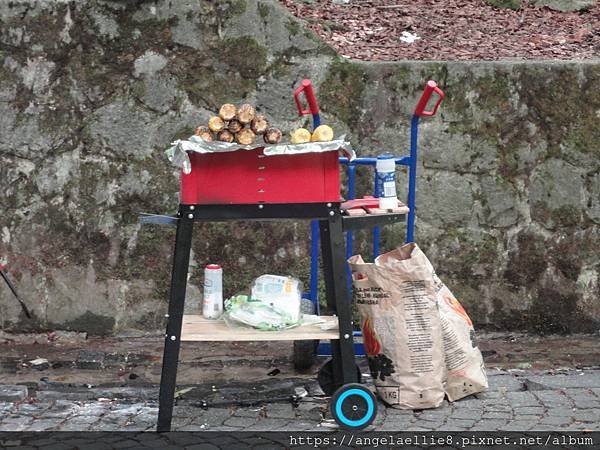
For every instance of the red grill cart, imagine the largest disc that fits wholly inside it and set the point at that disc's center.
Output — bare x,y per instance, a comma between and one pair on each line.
249,185
251,177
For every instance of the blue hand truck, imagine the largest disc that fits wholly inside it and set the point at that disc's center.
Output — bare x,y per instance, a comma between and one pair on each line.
305,351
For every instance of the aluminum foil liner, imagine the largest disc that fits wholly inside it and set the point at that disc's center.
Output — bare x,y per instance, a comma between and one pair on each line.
178,152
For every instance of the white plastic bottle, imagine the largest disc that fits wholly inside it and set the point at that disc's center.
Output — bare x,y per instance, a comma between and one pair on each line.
386,181
212,305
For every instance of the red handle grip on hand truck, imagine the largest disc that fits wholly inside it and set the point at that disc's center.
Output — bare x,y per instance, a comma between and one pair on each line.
313,106
430,88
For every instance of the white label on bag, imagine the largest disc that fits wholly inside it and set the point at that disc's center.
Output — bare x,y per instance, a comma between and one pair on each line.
389,394
389,189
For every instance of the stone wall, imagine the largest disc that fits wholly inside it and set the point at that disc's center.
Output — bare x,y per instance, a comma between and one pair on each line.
92,92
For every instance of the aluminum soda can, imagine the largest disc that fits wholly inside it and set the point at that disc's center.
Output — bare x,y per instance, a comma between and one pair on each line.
212,304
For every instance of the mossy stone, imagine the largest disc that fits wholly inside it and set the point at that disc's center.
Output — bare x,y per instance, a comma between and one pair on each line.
245,54
92,324
526,261
554,311
342,90
509,4
566,5
244,62
227,9
264,10
293,27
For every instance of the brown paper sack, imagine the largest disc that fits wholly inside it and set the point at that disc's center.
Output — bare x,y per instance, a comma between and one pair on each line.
464,363
401,328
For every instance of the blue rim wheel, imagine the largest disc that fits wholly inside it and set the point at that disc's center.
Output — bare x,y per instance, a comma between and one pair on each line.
353,406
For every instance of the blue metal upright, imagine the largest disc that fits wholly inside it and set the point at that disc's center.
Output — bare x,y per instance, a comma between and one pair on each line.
370,161
412,179
314,265
409,161
316,120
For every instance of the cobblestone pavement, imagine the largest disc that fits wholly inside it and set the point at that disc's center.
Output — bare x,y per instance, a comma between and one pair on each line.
518,400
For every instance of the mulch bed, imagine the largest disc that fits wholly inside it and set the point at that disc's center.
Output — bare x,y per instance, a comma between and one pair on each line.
450,30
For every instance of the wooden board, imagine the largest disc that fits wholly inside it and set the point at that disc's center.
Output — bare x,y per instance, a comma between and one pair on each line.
197,328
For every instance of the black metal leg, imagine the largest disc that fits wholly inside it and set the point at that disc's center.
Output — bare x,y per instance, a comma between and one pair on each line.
334,263
168,379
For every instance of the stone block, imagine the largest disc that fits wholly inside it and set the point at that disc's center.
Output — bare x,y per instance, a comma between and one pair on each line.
12,393
565,5
90,360
82,143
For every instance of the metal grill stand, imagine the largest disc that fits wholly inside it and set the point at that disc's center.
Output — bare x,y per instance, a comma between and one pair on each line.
332,249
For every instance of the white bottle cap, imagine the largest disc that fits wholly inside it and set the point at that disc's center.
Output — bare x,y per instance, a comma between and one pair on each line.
385,163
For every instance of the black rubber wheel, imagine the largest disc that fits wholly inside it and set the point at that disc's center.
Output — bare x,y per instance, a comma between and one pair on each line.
353,406
305,351
304,354
325,378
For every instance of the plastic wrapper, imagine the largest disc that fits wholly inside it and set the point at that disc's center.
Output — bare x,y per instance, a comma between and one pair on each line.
242,310
178,152
283,294
273,304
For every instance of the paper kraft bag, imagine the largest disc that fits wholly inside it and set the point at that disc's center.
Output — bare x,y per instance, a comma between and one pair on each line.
464,362
465,370
401,327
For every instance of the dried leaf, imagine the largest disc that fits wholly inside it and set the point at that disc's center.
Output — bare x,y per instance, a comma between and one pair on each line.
450,29
183,391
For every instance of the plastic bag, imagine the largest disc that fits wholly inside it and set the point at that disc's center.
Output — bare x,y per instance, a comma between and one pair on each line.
242,310
283,294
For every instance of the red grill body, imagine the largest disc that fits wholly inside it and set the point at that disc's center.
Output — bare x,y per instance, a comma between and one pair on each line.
248,176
